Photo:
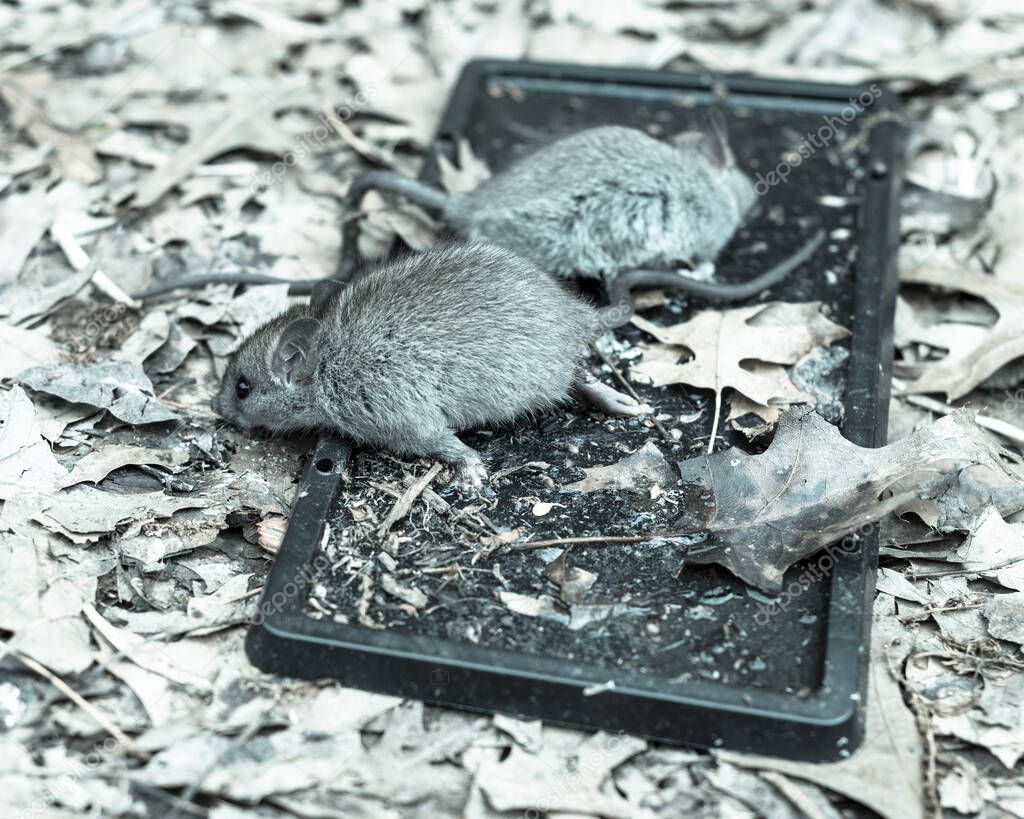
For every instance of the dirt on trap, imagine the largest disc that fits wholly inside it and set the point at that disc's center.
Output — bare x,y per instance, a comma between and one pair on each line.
449,569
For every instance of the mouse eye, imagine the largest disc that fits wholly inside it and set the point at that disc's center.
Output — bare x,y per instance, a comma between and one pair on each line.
242,389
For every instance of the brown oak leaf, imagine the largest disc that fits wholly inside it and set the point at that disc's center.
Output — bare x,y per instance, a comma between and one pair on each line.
967,365
744,348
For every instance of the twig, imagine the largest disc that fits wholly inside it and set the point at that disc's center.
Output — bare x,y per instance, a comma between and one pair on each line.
246,596
923,715
79,260
404,504
98,716
963,657
363,604
360,146
715,421
797,797
1000,427
629,388
504,473
489,523
964,570
172,388
924,615
190,411
169,481
560,541
164,796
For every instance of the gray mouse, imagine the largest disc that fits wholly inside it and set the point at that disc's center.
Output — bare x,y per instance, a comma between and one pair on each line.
418,349
608,203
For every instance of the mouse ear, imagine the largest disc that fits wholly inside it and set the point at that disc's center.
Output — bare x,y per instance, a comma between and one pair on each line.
721,133
712,147
296,355
323,291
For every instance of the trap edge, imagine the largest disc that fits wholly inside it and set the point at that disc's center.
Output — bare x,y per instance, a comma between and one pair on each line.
825,725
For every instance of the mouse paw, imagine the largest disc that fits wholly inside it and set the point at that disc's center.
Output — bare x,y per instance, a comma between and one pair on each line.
612,401
472,474
703,271
626,405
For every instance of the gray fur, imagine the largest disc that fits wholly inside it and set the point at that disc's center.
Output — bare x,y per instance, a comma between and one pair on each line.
611,199
610,203
411,352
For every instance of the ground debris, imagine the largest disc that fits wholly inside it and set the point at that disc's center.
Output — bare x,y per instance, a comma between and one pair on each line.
143,141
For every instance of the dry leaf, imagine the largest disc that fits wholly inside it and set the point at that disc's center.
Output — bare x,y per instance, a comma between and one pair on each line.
967,366
885,772
994,550
725,346
957,502
1005,743
151,334
502,780
763,513
467,174
172,353
637,472
24,220
533,606
120,387
270,533
75,155
214,129
22,302
1005,615
407,594
95,466
26,461
24,349
40,603
84,513
964,789
573,581
895,583
765,416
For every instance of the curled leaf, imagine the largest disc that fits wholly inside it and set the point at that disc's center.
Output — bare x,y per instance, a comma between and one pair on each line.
811,487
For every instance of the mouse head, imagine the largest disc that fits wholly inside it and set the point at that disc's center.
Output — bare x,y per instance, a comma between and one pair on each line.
713,148
268,381
741,188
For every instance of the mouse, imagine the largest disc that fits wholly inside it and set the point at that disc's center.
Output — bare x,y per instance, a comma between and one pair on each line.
418,349
609,203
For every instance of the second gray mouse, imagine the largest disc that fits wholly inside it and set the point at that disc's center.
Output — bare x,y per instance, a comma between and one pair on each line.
608,203
418,349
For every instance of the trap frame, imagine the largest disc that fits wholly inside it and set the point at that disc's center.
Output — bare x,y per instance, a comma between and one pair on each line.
825,723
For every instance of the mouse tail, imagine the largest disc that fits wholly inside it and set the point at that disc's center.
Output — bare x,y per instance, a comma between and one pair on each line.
392,182
300,288
619,288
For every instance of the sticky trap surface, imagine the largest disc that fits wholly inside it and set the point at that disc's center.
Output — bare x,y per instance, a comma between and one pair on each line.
617,636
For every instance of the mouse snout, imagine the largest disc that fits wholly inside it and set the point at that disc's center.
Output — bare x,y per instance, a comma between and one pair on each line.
215,404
